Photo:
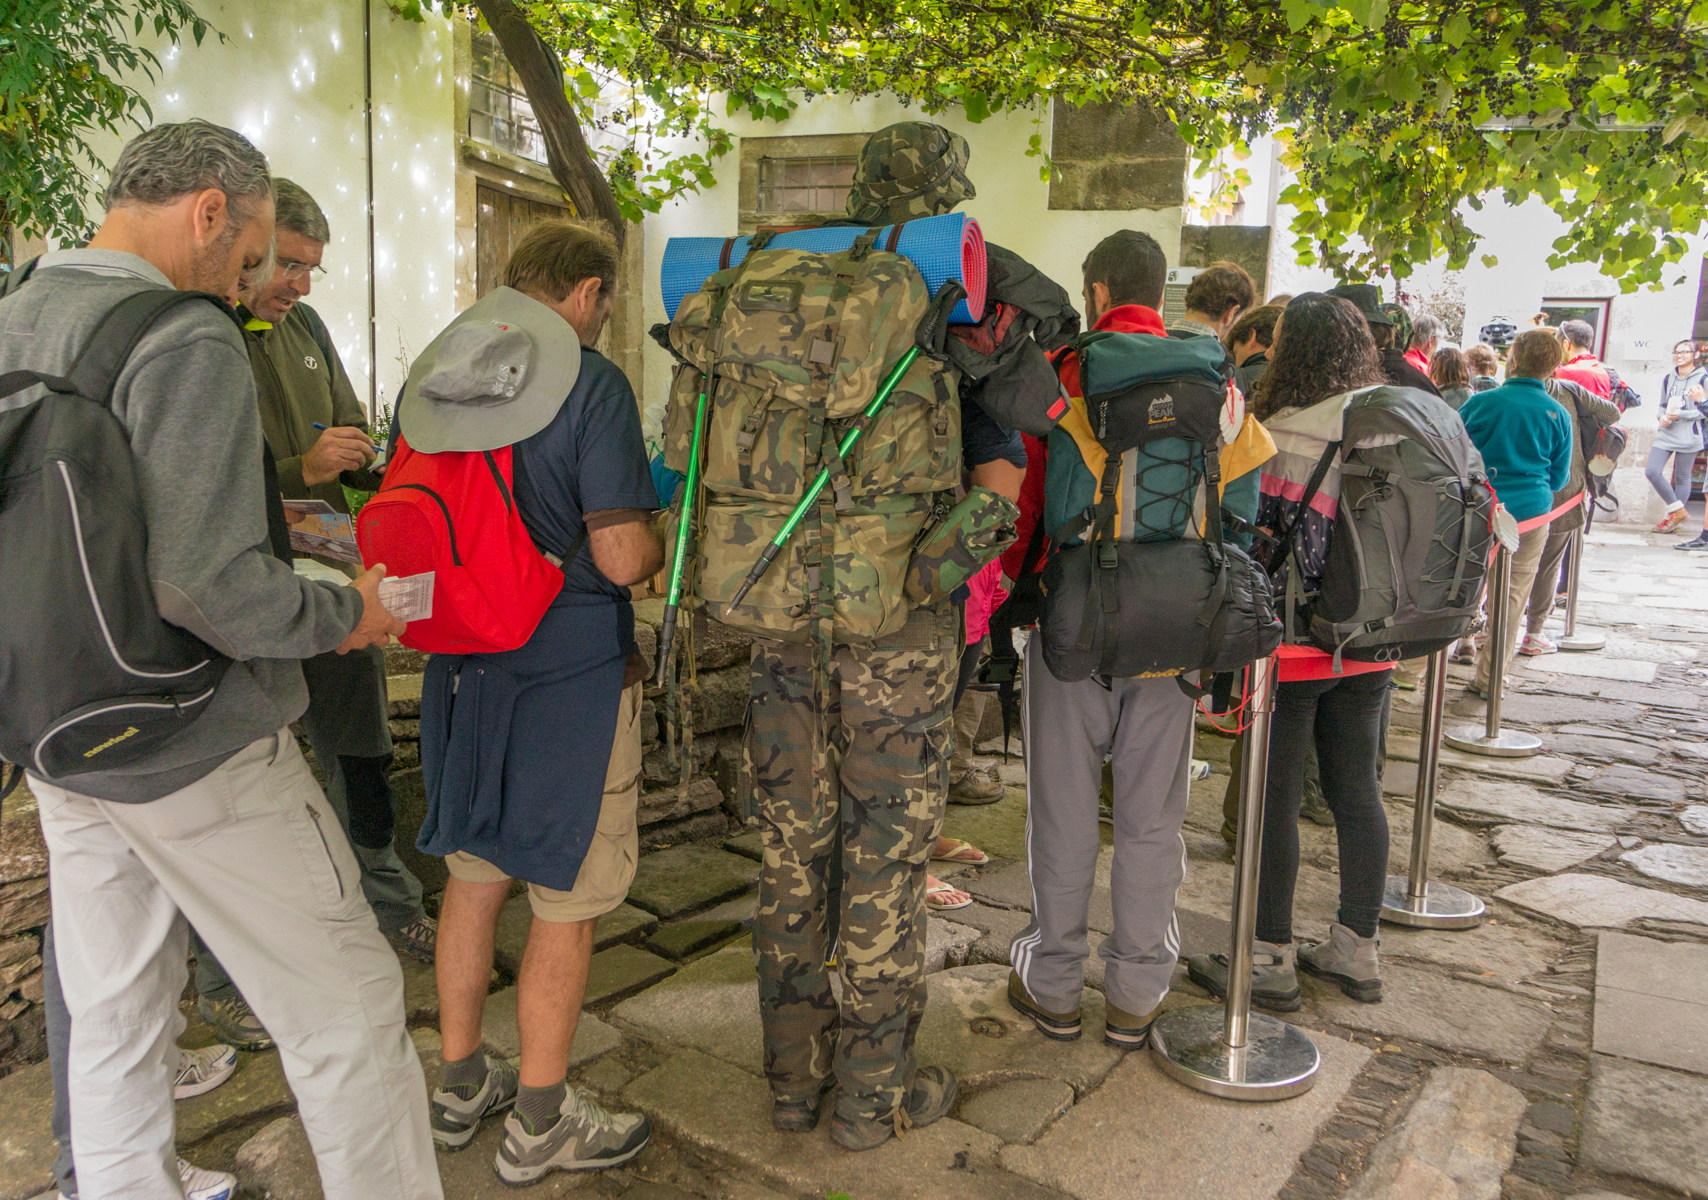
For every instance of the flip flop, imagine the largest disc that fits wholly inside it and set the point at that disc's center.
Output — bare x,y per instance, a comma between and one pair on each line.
960,854
941,906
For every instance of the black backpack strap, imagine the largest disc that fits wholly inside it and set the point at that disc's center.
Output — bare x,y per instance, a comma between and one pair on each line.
10,282
1284,535
103,357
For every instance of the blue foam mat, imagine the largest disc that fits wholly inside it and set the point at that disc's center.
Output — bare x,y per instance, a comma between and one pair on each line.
933,244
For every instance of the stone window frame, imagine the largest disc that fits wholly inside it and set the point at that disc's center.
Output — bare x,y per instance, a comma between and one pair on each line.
815,145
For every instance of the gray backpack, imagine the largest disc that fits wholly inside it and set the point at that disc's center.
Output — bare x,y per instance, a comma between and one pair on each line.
1412,539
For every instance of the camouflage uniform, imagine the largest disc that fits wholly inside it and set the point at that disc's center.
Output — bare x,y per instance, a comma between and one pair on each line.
888,745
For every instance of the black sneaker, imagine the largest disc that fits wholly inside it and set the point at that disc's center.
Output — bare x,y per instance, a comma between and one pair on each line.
1699,542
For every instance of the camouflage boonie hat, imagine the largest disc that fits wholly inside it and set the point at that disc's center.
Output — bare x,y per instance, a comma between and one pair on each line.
910,170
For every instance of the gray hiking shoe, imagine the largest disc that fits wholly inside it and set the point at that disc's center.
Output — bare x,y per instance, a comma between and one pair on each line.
1314,808
1348,960
928,1101
975,787
235,1022
585,1138
1274,982
419,939
456,1118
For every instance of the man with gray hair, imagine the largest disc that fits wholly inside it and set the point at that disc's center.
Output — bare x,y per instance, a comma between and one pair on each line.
223,824
318,434
1426,331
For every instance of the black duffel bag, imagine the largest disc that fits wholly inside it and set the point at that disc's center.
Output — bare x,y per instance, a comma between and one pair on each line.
1203,608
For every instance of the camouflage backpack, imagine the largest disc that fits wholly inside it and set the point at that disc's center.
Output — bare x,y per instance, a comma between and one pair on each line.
791,346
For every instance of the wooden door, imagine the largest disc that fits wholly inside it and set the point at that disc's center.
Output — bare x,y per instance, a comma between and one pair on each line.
500,221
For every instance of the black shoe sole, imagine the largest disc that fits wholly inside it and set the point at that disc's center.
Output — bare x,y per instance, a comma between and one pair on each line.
1365,991
1268,1001
1056,1031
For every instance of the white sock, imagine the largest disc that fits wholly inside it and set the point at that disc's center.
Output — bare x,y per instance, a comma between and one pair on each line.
1675,506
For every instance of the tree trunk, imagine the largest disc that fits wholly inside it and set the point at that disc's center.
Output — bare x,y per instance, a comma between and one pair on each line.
567,153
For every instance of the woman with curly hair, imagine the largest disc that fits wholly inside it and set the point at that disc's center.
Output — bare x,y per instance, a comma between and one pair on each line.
1323,354
1450,371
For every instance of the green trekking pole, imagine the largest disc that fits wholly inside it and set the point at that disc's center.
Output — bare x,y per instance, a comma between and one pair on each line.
931,333
667,632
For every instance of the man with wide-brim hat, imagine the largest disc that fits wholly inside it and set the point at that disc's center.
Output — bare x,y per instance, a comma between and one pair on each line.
531,758
1367,299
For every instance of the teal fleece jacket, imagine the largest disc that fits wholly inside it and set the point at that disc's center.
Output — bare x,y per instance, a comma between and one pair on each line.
1525,438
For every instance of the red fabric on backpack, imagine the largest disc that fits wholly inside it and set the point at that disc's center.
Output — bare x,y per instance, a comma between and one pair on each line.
454,513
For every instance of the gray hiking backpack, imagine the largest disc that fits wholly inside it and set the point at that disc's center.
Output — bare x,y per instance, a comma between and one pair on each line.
1412,538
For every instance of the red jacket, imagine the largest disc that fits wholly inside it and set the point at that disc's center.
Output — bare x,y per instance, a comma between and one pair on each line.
1125,318
1586,371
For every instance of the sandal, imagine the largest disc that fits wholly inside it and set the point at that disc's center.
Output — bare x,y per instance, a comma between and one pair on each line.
943,905
962,852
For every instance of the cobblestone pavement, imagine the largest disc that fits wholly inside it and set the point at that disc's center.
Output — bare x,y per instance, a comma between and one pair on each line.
1560,1050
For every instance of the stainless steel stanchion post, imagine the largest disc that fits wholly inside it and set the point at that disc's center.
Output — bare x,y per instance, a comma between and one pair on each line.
1413,899
1572,639
1492,741
1231,1051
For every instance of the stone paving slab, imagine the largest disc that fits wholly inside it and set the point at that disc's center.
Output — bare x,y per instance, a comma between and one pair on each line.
1538,769
970,1028
500,1032
27,1148
1596,666
1143,1134
1687,865
1018,1111
256,1089
1610,689
1651,1001
1632,783
1466,1018
1504,949
1645,1123
1695,819
684,879
622,971
1596,902
998,829
1457,1141
711,1006
1502,803
1547,849
948,1160
1522,708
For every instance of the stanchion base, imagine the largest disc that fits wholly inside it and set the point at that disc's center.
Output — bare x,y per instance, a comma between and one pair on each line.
1511,743
1583,641
1277,1062
1443,907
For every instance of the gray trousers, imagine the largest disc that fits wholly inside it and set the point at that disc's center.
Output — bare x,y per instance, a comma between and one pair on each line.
1146,726
252,856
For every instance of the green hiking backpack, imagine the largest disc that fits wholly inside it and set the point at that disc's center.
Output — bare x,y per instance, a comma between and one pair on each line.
791,346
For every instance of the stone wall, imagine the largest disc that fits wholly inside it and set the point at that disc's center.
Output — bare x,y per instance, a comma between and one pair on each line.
1113,157
1243,245
23,912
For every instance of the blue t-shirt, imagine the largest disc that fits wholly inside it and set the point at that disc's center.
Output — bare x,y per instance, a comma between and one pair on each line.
591,457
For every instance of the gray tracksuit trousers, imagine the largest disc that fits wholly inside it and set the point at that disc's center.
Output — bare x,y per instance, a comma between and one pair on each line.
1146,726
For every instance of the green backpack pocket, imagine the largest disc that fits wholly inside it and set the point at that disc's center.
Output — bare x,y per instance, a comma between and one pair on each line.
956,548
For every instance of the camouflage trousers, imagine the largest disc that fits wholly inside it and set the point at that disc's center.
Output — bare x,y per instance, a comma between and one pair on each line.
886,761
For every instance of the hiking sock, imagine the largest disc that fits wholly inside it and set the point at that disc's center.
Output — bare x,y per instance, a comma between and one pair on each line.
465,1077
541,1108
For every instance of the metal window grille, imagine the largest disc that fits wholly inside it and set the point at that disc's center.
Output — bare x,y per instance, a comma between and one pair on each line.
805,185
499,112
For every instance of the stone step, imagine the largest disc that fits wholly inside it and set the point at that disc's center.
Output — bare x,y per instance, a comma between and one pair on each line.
686,879
622,971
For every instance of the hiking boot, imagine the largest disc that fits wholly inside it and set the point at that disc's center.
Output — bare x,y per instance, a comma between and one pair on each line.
1346,959
1062,1027
1274,982
585,1137
1315,809
800,1116
419,939
1535,644
928,1101
235,1022
975,787
201,1071
1125,1031
456,1118
1699,542
1671,521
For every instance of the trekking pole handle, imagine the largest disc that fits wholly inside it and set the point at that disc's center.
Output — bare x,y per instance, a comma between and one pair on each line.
673,601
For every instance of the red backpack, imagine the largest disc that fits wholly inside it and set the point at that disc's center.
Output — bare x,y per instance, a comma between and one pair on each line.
454,513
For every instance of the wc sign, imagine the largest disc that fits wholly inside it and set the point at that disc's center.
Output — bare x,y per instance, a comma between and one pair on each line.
1642,347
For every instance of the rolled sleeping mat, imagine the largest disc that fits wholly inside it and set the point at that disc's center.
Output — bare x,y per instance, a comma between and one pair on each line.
946,247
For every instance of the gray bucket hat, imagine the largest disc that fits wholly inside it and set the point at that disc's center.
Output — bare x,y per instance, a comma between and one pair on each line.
497,374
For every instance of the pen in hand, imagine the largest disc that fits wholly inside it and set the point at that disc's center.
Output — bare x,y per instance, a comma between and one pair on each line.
323,428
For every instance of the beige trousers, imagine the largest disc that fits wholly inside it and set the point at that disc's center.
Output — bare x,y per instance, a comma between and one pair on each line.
1524,563
253,856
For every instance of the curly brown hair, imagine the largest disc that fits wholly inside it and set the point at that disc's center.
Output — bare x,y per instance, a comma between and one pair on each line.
1322,348
1450,368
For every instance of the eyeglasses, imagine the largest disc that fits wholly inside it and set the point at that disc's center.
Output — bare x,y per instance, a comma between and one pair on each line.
291,272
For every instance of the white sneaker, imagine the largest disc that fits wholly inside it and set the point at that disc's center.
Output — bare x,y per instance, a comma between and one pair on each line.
201,1071
1200,770
206,1185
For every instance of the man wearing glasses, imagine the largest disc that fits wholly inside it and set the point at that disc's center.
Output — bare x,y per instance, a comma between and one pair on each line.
301,385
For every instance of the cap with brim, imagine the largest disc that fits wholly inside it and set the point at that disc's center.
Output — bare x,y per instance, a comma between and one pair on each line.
495,375
1366,298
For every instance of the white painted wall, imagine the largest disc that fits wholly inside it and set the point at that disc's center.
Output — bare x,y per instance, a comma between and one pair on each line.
1012,205
289,76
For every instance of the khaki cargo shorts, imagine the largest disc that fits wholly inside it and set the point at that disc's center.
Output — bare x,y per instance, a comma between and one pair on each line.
609,867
